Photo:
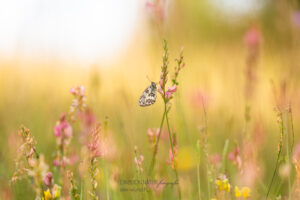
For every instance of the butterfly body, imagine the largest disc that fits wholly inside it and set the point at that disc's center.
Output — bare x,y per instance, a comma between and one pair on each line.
149,96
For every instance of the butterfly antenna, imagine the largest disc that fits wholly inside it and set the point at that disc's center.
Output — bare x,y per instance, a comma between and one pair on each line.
148,78
151,81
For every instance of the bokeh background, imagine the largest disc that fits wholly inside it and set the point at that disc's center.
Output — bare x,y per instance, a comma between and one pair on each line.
110,47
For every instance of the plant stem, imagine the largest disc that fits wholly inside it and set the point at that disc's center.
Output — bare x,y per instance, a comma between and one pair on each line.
156,147
278,155
205,150
171,144
198,169
224,157
288,153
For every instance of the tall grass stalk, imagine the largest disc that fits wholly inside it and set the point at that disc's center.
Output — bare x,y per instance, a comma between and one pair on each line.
281,125
173,154
224,156
198,168
156,147
205,150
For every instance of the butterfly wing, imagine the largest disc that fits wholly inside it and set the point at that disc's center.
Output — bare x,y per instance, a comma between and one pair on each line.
148,97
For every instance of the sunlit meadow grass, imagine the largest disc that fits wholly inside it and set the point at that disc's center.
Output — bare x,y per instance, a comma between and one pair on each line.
225,132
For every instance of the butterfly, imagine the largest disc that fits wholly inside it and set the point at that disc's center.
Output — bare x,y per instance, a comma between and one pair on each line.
149,96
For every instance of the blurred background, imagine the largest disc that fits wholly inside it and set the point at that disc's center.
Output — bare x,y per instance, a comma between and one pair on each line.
237,53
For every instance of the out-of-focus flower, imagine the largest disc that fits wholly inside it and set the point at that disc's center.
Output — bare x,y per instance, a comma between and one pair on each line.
296,159
244,192
87,121
252,37
56,190
138,160
63,128
172,160
48,179
94,151
152,135
223,183
215,159
199,98
235,157
47,195
186,158
54,193
296,18
157,8
74,189
94,144
78,103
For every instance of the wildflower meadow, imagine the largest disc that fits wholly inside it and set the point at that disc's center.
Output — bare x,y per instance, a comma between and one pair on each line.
196,100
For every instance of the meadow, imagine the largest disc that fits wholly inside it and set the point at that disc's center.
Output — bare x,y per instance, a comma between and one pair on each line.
224,124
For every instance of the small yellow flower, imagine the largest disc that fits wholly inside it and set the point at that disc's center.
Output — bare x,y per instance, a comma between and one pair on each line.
47,195
213,199
228,187
57,191
246,192
223,184
219,183
237,192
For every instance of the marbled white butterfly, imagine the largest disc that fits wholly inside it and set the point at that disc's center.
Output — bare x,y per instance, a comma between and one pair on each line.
149,96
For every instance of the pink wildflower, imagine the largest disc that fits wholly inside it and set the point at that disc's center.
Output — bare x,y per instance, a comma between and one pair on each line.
48,179
63,128
94,144
172,160
252,37
235,157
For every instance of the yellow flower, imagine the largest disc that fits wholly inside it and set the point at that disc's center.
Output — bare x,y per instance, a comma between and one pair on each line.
213,199
228,187
223,185
246,192
237,192
57,190
47,195
219,183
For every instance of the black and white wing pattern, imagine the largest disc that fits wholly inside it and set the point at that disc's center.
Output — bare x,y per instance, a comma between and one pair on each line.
149,96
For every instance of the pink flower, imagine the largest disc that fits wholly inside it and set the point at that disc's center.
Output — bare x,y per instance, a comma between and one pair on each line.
73,91
172,160
57,131
215,159
78,91
199,98
157,9
48,179
168,95
68,131
172,89
235,157
152,135
63,128
160,90
296,18
252,37
94,144
139,162
296,153
56,162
